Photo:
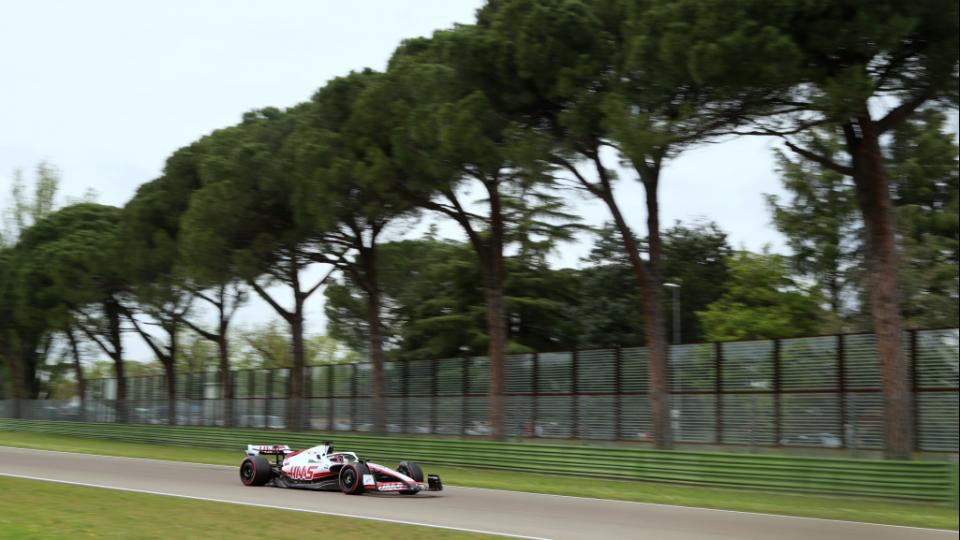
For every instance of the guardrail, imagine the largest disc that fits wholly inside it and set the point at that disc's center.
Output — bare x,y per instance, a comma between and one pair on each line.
914,480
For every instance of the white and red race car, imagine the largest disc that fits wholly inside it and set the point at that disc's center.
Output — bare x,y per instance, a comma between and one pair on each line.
321,468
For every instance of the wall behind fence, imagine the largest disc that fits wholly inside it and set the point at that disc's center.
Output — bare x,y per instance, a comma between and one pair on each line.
820,391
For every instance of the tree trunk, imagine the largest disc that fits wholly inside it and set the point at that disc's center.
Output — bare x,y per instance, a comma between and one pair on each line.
226,384
169,369
78,370
497,331
834,287
494,279
15,385
654,331
112,311
295,399
873,196
30,358
170,365
369,262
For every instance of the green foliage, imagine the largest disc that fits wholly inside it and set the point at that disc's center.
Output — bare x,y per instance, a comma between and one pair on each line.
820,220
250,215
434,304
761,301
610,310
27,211
695,256
853,51
268,346
823,228
69,259
923,164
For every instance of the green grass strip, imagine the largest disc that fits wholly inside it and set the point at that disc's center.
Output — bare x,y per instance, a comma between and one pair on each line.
916,514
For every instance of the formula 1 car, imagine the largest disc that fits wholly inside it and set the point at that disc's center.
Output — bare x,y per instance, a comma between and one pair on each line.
321,468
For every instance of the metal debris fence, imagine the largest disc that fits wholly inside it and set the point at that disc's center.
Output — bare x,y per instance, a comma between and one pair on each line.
822,391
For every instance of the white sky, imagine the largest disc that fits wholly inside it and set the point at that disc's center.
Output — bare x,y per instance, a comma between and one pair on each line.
107,89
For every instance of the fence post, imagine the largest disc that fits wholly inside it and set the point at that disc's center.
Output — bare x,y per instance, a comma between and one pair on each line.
269,400
353,397
307,403
617,400
331,401
575,394
434,376
842,392
405,392
718,390
535,391
777,415
914,390
464,390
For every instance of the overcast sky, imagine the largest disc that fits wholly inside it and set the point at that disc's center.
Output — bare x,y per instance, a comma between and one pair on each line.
106,90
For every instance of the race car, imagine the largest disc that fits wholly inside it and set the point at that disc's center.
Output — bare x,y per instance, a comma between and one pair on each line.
321,468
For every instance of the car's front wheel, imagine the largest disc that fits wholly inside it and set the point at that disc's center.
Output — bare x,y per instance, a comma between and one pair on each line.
255,471
411,469
350,478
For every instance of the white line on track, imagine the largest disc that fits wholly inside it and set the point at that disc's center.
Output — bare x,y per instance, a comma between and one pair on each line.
270,506
545,495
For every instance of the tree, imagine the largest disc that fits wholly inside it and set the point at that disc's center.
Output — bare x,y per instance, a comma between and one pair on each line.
761,301
166,285
22,334
610,307
28,211
455,138
149,239
922,160
268,346
614,75
345,154
696,257
69,260
433,300
434,306
819,220
252,219
848,58
822,225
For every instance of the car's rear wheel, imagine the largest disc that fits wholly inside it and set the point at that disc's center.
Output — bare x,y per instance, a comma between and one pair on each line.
350,478
255,471
411,469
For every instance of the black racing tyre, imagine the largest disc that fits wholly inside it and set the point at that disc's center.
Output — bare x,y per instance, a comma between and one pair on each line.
411,469
255,471
350,478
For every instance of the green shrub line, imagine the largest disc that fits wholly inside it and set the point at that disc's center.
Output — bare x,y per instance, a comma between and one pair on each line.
920,480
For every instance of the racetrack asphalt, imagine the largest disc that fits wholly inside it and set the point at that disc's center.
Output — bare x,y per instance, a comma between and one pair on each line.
512,513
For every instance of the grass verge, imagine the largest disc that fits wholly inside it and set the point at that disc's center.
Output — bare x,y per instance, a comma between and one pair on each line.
34,509
939,516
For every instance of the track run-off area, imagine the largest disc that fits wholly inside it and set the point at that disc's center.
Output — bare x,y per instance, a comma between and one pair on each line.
517,514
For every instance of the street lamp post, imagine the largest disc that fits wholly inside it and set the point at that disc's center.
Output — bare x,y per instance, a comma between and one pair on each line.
675,287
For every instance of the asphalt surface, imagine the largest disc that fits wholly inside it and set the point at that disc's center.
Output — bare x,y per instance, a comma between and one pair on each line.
492,511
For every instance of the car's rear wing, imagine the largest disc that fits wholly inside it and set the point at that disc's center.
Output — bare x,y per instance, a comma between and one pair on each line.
268,449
